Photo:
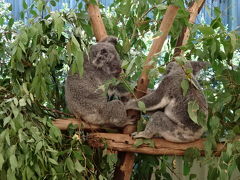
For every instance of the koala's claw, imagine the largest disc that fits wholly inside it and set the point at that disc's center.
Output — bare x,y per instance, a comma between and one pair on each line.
142,134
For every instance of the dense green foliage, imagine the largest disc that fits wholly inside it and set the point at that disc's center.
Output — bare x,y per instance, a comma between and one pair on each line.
35,57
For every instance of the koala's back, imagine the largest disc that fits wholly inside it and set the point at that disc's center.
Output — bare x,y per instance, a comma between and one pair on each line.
80,95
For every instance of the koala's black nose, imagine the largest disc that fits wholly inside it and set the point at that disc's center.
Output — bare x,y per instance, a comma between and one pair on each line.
119,70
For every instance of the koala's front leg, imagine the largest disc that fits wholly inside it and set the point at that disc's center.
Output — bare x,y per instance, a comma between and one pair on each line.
153,101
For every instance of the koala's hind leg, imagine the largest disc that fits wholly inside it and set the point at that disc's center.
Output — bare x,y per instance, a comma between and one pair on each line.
153,126
160,125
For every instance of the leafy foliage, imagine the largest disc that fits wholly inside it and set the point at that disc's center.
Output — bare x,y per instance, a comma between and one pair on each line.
36,56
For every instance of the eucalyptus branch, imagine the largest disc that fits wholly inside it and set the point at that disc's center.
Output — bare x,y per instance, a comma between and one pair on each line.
56,111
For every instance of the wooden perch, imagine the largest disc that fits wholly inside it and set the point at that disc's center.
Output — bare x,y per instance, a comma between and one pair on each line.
124,143
127,160
194,10
63,124
97,22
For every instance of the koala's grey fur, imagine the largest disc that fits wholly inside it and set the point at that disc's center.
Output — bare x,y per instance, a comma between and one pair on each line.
170,119
83,96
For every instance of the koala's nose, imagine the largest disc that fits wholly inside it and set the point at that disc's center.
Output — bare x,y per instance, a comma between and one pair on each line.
119,70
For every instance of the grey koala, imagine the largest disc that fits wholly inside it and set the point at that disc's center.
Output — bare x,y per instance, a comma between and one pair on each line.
84,97
170,118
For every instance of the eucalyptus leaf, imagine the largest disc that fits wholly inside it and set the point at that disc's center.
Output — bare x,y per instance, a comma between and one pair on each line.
193,107
185,86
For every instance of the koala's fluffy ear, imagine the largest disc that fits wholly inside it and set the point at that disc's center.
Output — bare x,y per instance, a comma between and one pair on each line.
198,65
110,39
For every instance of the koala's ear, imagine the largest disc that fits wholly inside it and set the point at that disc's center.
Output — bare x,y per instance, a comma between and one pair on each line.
198,65
110,39
100,56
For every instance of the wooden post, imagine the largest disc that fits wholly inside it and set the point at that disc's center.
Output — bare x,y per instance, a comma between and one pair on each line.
194,10
126,165
97,22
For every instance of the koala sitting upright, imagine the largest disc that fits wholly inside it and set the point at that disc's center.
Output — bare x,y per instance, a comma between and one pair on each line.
83,96
170,119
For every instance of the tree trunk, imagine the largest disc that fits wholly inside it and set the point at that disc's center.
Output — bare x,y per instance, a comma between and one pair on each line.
97,22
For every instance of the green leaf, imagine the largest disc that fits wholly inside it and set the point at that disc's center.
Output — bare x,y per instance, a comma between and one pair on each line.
185,86
19,54
111,159
11,174
193,107
10,7
142,106
70,164
237,115
79,61
10,22
1,161
76,43
129,67
149,142
39,146
138,142
213,173
7,137
189,155
238,163
53,3
1,20
214,124
6,120
161,70
13,162
22,102
25,6
207,31
229,149
233,40
58,24
79,167
52,161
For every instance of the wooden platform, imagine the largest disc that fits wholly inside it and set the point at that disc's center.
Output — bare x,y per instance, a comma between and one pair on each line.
125,143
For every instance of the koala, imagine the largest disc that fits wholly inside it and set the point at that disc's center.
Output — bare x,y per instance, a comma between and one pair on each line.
170,118
83,96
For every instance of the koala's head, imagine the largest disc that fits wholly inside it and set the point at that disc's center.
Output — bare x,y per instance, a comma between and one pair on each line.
196,66
103,55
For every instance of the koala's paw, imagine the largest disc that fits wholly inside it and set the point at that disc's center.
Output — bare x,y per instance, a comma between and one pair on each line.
141,134
129,122
131,104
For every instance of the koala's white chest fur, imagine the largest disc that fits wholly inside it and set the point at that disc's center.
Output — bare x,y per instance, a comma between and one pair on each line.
169,109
